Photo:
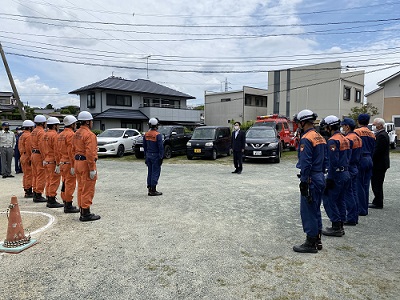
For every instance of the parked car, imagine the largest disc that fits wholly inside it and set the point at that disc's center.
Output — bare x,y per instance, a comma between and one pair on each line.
174,140
391,131
117,141
209,142
263,142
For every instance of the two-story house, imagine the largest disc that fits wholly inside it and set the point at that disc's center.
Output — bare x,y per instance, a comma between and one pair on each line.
118,102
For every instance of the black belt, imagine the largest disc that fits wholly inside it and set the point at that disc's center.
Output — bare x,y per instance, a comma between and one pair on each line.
341,169
36,151
80,157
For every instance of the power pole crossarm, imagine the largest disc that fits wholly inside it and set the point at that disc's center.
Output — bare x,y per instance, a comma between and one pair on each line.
14,88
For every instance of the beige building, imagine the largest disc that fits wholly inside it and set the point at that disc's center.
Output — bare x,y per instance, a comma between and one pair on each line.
323,88
242,105
387,99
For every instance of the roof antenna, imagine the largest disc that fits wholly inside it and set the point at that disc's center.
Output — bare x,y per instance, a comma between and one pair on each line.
112,74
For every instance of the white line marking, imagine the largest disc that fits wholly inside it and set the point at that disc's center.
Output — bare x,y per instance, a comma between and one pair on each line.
51,220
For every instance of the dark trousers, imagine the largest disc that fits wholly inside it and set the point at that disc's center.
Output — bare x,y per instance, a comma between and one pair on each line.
377,179
153,162
238,160
17,162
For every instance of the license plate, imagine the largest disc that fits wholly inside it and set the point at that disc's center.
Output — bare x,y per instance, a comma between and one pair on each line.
141,149
197,150
257,152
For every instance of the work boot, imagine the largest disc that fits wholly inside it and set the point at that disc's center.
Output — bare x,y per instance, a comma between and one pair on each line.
319,242
69,208
39,198
87,216
153,191
28,193
52,202
148,190
309,246
342,227
335,230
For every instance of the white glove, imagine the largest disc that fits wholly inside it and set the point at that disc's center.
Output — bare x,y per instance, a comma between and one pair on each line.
57,169
92,174
44,163
72,171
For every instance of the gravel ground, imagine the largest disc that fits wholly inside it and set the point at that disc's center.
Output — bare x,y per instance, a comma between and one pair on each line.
212,235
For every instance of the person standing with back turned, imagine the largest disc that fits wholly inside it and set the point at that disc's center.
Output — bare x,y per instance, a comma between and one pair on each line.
84,145
154,151
238,144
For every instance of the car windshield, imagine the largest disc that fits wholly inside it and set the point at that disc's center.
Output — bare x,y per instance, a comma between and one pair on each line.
164,129
265,123
260,134
203,134
112,133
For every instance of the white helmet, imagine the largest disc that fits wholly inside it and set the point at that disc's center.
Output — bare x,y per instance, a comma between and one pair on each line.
39,119
85,116
306,115
153,122
52,121
28,123
332,120
68,120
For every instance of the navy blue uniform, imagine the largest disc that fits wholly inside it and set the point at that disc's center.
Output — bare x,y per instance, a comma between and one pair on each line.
339,153
17,155
351,195
312,163
154,151
365,169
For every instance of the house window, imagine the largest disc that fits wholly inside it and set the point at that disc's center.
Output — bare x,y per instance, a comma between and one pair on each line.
346,93
119,100
261,101
247,100
358,96
91,101
225,99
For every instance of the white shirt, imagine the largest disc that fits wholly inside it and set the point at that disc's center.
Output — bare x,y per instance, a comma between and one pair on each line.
7,139
236,133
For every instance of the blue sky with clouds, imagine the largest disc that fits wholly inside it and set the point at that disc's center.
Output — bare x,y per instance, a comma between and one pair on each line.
54,47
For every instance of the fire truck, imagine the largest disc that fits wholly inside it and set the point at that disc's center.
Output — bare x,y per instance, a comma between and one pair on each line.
285,128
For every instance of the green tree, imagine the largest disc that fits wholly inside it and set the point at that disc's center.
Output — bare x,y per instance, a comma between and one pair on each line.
49,106
363,109
199,107
243,126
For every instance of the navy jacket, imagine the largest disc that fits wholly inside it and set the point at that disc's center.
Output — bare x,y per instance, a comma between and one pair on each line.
239,142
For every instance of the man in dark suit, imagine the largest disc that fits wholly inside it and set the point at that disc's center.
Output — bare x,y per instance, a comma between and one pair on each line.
238,145
381,162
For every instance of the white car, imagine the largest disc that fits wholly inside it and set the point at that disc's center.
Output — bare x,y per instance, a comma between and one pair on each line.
117,141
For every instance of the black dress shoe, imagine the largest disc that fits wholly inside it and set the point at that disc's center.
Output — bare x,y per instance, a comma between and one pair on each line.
10,175
350,223
235,171
239,172
371,205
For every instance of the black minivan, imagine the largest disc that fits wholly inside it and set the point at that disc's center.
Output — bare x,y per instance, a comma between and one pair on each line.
209,142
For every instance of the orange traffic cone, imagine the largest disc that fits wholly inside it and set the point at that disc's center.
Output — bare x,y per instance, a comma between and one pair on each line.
16,241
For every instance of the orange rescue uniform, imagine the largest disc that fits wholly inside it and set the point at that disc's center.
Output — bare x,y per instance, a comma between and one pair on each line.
65,159
52,178
25,151
38,172
85,151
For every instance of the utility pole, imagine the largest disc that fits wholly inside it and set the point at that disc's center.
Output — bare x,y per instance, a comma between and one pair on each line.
14,88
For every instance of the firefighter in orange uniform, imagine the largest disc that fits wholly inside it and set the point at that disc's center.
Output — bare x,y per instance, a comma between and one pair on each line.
37,158
85,153
65,159
25,150
52,168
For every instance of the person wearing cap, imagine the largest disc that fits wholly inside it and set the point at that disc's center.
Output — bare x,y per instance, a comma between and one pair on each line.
154,152
338,177
238,143
37,158
65,159
52,169
25,150
7,144
365,169
312,162
17,156
84,145
381,162
350,195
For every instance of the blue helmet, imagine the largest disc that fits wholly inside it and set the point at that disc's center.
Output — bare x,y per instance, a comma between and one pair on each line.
363,119
349,122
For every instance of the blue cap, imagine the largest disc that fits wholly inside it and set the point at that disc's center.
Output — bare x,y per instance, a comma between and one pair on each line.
349,122
363,118
5,124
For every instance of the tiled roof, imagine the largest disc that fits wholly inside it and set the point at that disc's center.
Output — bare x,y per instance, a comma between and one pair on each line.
127,114
136,86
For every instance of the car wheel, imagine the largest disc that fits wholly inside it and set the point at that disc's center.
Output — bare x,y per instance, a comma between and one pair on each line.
229,153
167,151
394,144
139,154
189,157
120,151
214,155
278,158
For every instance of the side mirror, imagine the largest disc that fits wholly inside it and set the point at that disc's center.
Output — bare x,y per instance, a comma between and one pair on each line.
173,133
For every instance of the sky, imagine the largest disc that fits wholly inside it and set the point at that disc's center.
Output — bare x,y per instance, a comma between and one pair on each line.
54,47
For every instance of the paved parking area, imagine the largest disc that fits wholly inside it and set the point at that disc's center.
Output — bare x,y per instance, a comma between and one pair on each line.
212,235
